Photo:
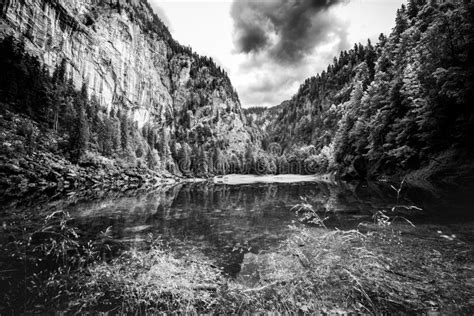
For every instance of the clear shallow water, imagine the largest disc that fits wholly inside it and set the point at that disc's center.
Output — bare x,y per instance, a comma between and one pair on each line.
240,228
226,222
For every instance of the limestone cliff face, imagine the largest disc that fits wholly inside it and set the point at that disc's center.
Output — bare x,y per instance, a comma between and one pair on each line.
129,60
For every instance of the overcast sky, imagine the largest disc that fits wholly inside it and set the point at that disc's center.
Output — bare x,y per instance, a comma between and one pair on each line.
269,47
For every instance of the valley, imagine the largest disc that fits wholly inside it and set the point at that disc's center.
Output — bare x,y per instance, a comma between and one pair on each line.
133,180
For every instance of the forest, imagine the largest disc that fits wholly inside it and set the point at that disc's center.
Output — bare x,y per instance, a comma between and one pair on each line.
77,119
399,105
85,133
120,205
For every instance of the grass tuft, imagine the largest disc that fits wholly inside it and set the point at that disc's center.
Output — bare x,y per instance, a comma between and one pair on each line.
152,281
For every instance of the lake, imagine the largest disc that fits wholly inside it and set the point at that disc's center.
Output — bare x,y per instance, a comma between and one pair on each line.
250,232
225,222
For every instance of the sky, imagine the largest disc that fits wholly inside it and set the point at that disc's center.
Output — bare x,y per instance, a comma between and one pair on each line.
269,47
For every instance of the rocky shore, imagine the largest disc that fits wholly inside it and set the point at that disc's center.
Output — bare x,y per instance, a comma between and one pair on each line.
50,175
31,167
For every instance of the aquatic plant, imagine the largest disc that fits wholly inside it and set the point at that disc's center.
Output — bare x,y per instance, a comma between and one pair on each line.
151,281
386,218
314,270
307,213
42,262
332,271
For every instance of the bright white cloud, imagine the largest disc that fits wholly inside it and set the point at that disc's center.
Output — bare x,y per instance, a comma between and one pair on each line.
206,26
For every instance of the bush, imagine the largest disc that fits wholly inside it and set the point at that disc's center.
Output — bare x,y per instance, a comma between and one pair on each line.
91,158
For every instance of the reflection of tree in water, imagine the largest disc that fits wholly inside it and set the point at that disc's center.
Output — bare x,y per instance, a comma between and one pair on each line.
226,221
223,221
232,220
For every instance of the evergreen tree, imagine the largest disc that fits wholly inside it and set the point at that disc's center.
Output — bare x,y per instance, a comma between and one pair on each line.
412,8
219,162
124,131
202,162
105,135
400,23
250,160
59,93
80,137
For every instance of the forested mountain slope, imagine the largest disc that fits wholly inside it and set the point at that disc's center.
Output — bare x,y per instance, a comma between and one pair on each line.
95,81
403,104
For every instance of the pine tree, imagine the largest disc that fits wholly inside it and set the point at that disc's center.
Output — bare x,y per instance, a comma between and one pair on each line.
282,165
250,159
412,8
202,162
59,74
219,161
370,58
400,23
105,136
210,164
124,131
80,137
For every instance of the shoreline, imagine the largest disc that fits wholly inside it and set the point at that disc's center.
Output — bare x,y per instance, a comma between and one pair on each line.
238,179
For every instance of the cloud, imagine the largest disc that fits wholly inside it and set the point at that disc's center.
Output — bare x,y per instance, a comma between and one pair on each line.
270,91
267,83
286,30
281,43
262,81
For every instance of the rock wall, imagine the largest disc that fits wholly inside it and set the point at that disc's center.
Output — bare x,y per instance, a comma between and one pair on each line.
111,47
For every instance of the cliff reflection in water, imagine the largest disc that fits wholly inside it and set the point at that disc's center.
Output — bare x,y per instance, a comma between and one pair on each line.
225,222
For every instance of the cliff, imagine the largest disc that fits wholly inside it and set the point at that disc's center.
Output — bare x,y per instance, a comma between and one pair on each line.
128,60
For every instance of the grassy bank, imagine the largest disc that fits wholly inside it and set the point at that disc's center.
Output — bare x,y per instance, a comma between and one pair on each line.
376,269
316,270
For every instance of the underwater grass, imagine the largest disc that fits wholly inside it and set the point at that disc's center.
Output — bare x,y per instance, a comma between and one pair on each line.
151,281
316,270
375,269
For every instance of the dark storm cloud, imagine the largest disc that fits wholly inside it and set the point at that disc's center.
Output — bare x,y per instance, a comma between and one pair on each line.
287,29
269,82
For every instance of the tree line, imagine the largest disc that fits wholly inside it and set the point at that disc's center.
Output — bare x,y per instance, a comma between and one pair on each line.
87,130
80,122
394,106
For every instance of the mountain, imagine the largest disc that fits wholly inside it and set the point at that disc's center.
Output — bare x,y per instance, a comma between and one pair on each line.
144,100
262,117
401,106
96,92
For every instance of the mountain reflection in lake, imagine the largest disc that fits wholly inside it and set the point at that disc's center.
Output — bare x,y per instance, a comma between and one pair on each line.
225,222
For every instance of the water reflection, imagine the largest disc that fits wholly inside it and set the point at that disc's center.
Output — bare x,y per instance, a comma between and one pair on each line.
225,222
